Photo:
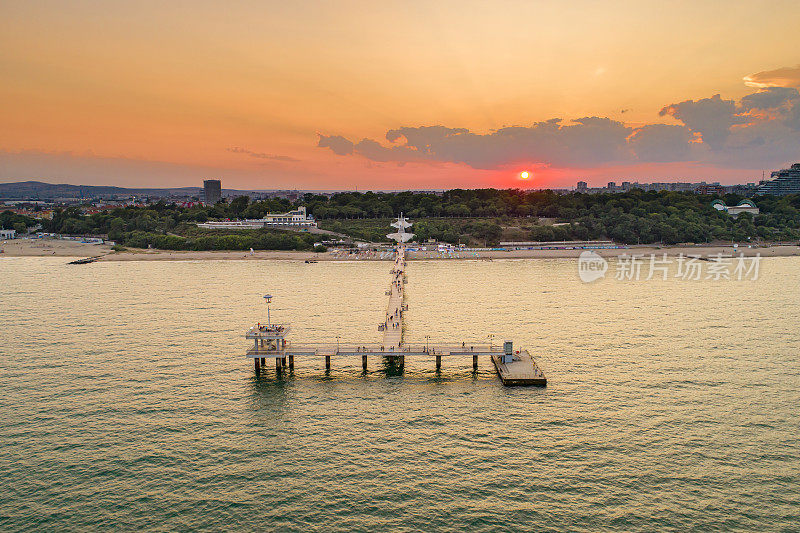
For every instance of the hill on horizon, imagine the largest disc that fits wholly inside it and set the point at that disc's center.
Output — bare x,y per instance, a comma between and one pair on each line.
41,190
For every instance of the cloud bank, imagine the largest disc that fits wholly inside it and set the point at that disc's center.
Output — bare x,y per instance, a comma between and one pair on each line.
262,155
781,77
762,130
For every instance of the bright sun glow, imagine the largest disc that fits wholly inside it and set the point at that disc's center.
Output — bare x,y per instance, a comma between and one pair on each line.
524,174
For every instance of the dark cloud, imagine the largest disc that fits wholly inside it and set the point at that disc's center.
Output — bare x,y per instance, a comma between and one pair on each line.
423,138
780,104
375,151
587,141
781,77
337,143
711,117
761,130
661,143
262,155
770,98
792,120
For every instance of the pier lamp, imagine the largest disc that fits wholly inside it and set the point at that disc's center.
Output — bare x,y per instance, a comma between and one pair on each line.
427,338
491,340
337,343
268,298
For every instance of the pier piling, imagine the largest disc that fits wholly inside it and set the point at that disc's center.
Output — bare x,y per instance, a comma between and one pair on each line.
327,362
438,362
364,363
291,362
475,363
258,367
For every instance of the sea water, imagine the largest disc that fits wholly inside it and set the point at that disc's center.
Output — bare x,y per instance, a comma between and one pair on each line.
126,402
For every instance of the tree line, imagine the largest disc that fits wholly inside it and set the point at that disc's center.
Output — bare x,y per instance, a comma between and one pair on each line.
482,216
490,215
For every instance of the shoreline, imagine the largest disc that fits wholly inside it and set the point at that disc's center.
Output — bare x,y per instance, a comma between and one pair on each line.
73,249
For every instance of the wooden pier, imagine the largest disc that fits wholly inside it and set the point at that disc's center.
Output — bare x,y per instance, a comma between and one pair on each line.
269,340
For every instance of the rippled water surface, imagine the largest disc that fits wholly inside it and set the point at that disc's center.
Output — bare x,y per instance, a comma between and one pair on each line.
125,402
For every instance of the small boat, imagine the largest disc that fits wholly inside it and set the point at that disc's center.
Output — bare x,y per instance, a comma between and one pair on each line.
311,260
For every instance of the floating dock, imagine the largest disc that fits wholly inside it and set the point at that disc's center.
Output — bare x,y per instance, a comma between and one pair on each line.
270,342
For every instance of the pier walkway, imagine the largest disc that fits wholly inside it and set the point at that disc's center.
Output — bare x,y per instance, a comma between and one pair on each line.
393,325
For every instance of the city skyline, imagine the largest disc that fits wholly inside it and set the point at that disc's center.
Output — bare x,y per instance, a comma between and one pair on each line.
353,95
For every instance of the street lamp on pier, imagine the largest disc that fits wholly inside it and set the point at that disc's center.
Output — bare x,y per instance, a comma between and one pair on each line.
268,298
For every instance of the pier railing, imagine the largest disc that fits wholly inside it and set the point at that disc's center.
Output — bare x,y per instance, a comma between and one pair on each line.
424,349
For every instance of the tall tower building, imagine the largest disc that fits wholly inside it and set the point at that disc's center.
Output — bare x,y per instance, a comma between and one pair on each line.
212,190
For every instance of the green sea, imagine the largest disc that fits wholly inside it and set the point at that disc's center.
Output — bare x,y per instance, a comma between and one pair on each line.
126,402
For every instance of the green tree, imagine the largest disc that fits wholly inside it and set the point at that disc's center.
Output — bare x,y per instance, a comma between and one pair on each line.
238,206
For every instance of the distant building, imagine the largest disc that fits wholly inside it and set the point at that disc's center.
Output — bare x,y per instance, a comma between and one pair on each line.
212,191
582,186
748,189
714,188
682,187
710,188
8,234
296,218
786,181
745,206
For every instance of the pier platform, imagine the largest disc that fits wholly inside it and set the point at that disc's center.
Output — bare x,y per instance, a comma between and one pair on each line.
522,370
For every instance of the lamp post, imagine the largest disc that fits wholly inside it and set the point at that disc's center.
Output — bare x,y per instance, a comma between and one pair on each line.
427,338
491,341
268,298
337,343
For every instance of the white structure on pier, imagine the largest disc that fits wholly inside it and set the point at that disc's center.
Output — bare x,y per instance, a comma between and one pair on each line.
401,224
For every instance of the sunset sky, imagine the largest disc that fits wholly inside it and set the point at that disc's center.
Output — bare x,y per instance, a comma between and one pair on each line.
397,95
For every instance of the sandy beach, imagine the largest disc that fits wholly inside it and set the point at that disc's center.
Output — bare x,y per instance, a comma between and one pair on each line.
74,249
51,247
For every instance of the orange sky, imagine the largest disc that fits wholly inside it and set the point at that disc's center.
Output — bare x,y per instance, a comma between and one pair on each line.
169,93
